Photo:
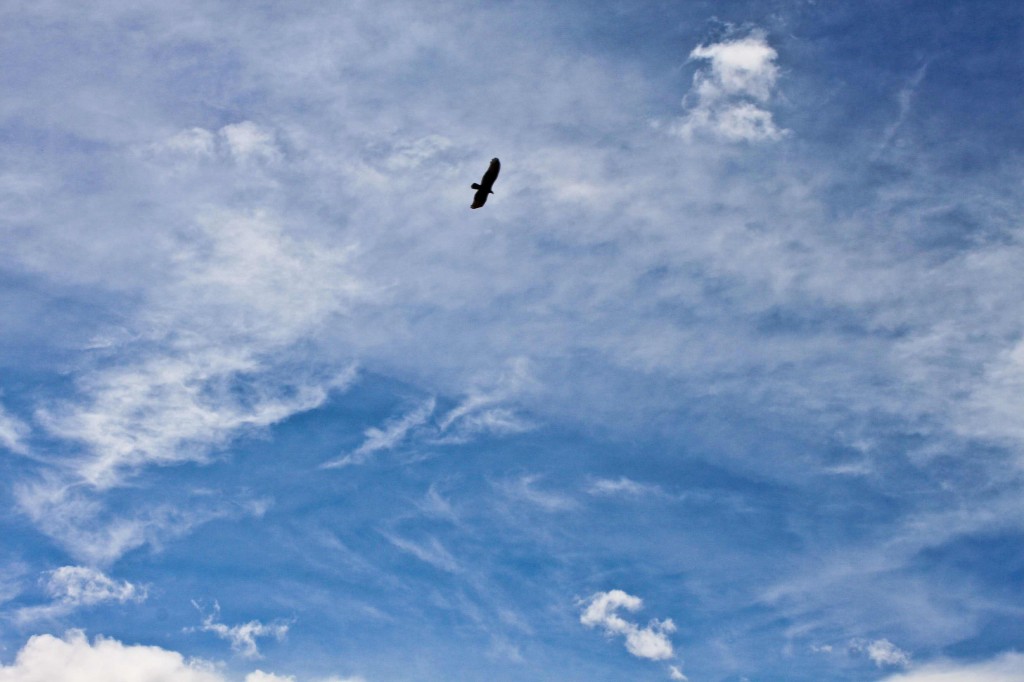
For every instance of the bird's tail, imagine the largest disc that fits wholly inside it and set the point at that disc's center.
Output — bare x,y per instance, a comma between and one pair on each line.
475,186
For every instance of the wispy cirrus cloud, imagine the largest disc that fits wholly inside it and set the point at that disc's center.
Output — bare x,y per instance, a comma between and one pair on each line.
481,410
1006,667
431,552
312,150
242,636
622,486
82,522
13,432
480,413
523,490
212,359
386,438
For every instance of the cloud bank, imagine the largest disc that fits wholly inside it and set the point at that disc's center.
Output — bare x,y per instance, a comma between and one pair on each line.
1007,667
73,658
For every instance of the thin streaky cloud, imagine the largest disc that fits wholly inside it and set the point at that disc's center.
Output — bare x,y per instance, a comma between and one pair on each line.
393,433
431,552
13,432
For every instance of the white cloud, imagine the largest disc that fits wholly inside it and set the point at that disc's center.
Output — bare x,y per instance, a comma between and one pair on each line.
192,142
242,142
675,673
247,140
13,432
174,409
80,585
46,658
73,658
523,489
622,486
80,521
436,505
726,97
72,587
995,406
433,552
881,651
1007,667
650,642
214,357
413,154
260,676
905,99
738,67
387,438
242,637
479,412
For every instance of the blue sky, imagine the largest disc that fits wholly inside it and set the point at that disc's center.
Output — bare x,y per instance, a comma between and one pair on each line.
724,383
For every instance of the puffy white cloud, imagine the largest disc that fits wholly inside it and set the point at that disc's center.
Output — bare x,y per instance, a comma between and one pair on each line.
73,658
675,673
726,95
650,642
738,67
46,658
1007,667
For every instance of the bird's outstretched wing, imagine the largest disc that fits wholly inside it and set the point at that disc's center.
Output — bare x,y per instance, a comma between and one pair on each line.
484,188
491,175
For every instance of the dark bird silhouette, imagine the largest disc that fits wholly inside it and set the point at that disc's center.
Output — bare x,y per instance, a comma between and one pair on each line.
484,188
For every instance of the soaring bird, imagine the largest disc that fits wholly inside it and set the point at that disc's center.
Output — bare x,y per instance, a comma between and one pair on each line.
484,188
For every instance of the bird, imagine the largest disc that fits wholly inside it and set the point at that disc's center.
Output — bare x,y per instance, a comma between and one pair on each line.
484,188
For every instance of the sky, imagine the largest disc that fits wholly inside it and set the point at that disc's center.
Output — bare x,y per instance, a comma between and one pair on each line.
725,383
